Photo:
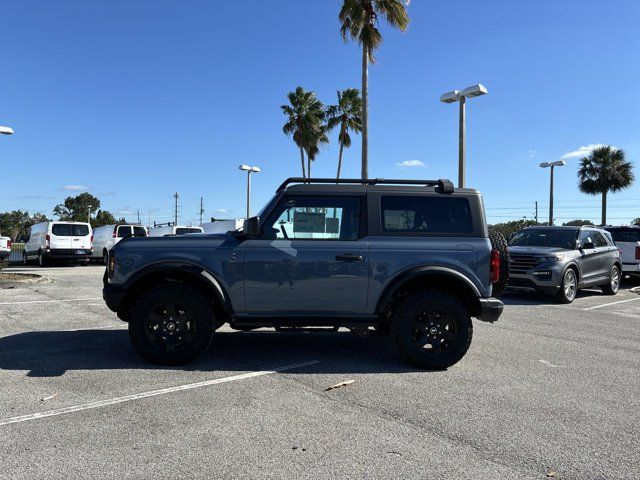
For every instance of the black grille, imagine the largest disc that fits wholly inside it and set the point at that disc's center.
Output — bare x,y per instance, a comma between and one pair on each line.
521,263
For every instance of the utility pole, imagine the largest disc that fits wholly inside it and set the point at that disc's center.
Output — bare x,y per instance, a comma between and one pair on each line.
138,217
201,209
536,212
175,217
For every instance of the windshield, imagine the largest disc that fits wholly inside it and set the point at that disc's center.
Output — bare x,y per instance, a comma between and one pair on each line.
625,234
545,238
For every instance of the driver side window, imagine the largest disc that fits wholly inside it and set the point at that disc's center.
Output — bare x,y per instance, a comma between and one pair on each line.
314,218
585,237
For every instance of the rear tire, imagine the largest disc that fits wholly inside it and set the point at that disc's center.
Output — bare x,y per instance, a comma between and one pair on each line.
171,324
433,329
42,260
568,287
105,257
613,286
499,243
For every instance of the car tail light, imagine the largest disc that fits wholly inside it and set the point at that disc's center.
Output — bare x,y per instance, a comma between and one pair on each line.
638,253
494,270
92,239
47,241
8,243
112,265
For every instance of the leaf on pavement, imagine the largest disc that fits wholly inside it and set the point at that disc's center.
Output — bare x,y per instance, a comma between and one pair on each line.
339,385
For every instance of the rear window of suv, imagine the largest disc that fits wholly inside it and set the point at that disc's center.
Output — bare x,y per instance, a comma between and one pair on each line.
183,231
422,214
625,234
69,230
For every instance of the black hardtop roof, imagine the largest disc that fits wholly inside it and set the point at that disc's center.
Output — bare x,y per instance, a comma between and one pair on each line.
361,186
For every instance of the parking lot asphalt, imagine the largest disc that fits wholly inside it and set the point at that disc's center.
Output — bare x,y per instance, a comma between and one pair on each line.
548,390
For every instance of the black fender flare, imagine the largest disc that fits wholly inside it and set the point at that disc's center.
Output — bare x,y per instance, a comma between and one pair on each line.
204,275
430,270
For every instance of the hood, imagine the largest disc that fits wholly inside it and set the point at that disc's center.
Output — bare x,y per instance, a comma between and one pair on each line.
536,250
173,243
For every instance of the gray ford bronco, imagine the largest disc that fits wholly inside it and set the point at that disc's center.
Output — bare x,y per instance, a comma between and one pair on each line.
406,257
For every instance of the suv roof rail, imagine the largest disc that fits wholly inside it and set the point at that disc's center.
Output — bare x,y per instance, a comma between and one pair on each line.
444,185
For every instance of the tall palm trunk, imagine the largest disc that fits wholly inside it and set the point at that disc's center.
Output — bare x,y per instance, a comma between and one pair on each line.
604,208
302,161
341,138
365,112
308,166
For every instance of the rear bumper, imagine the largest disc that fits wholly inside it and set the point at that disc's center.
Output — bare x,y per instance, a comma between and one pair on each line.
68,253
631,267
490,309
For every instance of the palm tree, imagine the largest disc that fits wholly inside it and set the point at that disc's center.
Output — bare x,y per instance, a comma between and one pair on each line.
359,20
305,114
348,114
315,137
604,170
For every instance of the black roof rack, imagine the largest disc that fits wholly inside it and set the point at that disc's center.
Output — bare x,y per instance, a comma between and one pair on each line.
444,185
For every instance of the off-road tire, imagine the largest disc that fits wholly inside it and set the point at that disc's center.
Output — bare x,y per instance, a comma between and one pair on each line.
612,287
562,296
499,243
149,302
432,301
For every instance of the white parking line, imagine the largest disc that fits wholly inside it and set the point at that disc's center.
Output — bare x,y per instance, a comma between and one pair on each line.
50,301
152,393
612,303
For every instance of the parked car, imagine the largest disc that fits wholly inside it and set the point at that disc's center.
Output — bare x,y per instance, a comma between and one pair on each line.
627,239
407,256
49,241
561,260
107,236
222,226
5,247
171,230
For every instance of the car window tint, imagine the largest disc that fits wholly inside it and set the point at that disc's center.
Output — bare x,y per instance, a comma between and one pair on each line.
139,232
183,231
625,234
314,218
585,237
124,231
426,214
69,230
599,240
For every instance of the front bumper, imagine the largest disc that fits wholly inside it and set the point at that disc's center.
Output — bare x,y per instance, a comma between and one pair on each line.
490,309
113,296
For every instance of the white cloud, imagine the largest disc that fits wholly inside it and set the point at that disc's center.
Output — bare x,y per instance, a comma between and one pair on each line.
222,210
410,164
582,151
75,188
532,153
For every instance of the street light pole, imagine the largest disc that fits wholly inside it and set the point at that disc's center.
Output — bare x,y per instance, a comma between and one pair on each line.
461,97
552,166
461,143
249,170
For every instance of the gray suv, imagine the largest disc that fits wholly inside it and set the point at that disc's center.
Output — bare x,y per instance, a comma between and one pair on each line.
562,260
407,257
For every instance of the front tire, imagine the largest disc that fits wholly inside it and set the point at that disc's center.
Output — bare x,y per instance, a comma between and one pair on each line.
433,329
613,286
171,324
105,257
568,287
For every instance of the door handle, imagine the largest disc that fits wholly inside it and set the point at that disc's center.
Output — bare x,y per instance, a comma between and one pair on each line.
349,258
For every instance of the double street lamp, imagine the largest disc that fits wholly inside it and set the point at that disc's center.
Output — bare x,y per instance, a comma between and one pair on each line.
552,165
249,170
461,97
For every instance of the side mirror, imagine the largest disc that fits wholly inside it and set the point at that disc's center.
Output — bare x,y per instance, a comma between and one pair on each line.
252,227
587,246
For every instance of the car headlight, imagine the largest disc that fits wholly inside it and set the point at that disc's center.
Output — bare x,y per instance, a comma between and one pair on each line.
549,258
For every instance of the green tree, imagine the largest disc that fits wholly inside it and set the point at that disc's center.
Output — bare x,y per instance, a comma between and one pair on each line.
17,223
305,117
636,221
359,21
604,170
577,223
77,208
347,114
103,217
509,228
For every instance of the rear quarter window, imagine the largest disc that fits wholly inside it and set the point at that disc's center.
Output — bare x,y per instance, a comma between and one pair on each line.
426,214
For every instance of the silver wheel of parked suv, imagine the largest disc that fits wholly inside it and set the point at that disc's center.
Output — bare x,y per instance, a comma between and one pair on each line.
613,286
569,287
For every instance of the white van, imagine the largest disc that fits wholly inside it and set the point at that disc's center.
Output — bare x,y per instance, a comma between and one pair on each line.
627,239
165,230
58,240
105,237
222,226
5,247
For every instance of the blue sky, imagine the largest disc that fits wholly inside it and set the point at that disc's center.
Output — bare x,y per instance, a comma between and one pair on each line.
135,100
